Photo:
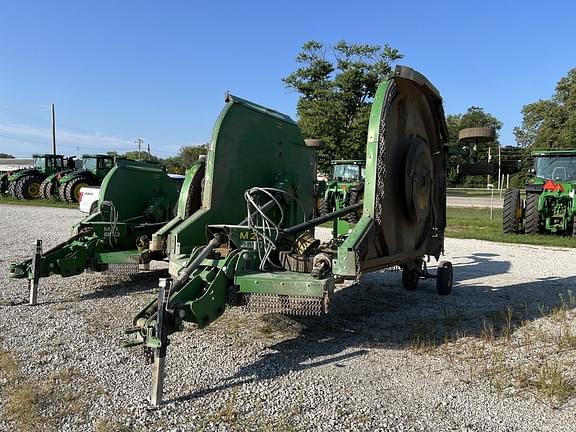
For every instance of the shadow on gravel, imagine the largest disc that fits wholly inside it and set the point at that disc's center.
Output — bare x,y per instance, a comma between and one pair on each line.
137,283
379,314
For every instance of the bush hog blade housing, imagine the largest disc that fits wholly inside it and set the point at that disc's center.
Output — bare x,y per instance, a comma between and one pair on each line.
136,199
260,171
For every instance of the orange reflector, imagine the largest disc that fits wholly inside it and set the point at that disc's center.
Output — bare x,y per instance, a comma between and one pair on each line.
553,187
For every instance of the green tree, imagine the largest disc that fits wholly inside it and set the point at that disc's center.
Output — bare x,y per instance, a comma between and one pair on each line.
473,117
336,86
187,155
6,156
551,124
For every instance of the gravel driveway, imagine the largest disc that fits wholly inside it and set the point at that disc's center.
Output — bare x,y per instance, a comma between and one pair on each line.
496,355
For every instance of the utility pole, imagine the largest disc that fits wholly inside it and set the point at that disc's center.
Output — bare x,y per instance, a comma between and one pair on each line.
149,155
53,131
139,141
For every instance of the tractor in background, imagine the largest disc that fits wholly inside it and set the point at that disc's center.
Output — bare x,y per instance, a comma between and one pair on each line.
550,203
26,183
94,169
344,188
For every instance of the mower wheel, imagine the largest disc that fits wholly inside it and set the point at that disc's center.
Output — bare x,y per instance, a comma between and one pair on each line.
444,278
72,189
531,214
356,195
512,212
410,278
47,189
28,187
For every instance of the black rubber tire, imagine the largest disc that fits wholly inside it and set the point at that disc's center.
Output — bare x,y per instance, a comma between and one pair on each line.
511,222
574,227
28,187
356,195
62,191
47,189
322,207
194,198
12,189
531,214
444,278
70,191
4,185
477,168
410,279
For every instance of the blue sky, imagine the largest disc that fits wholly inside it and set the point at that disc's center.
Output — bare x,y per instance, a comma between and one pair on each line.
120,70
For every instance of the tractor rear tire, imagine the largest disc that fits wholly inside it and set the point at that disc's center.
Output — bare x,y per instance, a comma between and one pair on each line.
12,189
47,189
322,206
62,192
531,214
28,187
194,198
356,195
574,227
444,278
512,212
72,189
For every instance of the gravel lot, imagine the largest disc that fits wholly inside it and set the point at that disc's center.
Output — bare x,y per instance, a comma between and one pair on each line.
496,355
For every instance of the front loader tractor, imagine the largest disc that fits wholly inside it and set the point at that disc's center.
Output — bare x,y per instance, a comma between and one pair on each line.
550,203
94,169
27,183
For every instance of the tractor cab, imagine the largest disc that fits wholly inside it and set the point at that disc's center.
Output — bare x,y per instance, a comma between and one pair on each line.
98,164
348,171
557,165
48,163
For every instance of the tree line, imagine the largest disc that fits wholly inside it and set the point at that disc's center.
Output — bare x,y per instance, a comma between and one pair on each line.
337,84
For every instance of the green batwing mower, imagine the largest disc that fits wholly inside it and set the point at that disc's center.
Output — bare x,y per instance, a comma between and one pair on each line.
550,203
136,199
252,241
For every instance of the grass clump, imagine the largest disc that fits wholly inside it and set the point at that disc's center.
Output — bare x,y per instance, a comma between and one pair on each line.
475,223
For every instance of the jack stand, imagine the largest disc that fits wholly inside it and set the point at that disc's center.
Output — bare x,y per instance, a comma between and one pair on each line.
165,286
33,283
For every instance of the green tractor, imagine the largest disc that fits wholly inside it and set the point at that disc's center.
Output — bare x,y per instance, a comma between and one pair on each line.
346,187
26,183
550,204
94,169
